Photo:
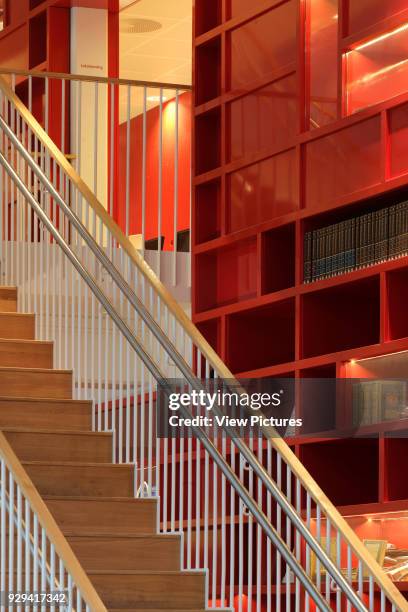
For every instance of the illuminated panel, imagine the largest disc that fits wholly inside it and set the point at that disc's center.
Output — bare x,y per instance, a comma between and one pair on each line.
263,45
344,162
262,191
323,61
264,118
365,13
377,70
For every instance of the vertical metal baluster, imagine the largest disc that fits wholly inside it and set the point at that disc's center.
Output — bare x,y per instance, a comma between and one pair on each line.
144,165
298,542
269,543
19,551
11,536
35,555
338,559
127,199
3,528
241,540
112,149
27,538
189,498
371,592
288,537
43,565
319,539
349,573
250,528
214,568
328,550
279,530
259,532
160,187
176,187
96,140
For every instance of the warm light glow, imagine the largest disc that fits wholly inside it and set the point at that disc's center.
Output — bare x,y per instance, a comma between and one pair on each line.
156,98
373,75
378,356
382,37
353,362
369,519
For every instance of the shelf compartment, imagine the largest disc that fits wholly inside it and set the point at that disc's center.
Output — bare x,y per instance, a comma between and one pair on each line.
262,191
263,45
396,449
397,290
208,211
278,259
261,337
249,118
398,135
318,398
377,71
346,470
343,162
38,39
208,71
207,15
227,275
211,330
342,317
208,141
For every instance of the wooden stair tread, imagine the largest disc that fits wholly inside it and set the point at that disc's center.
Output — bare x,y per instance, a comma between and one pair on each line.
123,536
25,341
34,400
63,432
99,499
80,464
147,572
39,370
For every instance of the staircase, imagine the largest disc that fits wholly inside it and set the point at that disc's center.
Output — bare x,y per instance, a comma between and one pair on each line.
84,438
113,535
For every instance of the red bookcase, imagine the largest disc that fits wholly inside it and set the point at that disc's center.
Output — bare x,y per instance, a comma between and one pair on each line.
287,141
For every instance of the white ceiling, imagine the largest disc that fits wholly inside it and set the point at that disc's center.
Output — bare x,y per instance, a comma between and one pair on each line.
164,55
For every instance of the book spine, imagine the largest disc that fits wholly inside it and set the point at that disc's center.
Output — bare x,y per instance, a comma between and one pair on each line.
314,255
307,257
392,231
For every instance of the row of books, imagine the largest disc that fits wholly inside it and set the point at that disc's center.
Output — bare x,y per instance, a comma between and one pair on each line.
356,243
379,400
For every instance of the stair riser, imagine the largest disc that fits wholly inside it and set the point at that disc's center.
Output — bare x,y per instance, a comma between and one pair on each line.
94,516
26,354
8,299
46,415
155,553
81,480
171,592
17,326
28,383
53,446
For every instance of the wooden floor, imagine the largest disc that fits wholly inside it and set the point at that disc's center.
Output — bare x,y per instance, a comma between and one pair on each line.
112,534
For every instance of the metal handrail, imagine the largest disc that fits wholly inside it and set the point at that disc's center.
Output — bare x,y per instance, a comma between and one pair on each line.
278,443
95,79
234,481
245,451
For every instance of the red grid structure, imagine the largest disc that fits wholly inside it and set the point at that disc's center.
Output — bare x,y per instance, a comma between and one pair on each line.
279,150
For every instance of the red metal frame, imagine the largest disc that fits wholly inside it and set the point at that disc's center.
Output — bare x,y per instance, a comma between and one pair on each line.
306,217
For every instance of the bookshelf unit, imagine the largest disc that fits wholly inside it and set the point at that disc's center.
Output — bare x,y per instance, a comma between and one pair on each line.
290,152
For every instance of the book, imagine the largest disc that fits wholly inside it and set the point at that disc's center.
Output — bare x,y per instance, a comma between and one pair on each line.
307,258
356,243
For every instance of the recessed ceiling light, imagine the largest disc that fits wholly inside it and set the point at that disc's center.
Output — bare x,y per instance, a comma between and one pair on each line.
139,26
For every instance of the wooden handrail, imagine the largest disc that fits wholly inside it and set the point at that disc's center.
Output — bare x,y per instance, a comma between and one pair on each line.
94,79
270,433
47,521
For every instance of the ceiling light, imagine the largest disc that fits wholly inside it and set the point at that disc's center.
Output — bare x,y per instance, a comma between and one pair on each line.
139,26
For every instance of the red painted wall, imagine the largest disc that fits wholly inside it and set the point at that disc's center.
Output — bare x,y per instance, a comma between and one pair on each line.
152,171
